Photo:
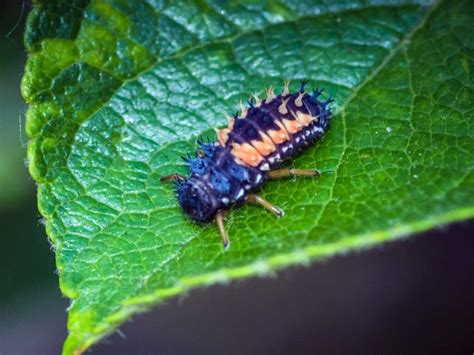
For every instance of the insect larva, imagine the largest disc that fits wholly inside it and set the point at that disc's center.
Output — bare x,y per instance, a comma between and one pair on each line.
249,152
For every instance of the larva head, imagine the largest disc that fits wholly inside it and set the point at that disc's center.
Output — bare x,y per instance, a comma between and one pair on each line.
195,199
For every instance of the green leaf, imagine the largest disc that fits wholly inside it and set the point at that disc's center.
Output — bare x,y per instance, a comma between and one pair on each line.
119,90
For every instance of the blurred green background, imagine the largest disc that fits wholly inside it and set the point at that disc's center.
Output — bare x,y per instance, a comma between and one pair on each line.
26,263
410,297
28,287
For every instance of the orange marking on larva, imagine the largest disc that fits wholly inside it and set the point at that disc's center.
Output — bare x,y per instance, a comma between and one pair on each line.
304,118
222,135
248,148
247,159
283,131
279,136
246,153
276,136
292,126
264,147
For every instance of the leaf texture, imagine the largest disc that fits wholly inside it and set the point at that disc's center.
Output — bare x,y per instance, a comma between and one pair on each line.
119,90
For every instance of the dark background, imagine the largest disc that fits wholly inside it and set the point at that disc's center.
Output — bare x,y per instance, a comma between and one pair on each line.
413,296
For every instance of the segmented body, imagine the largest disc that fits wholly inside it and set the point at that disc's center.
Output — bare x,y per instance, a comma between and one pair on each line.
266,133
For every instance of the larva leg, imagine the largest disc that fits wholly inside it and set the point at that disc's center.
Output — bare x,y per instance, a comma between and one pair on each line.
256,199
221,228
282,173
172,177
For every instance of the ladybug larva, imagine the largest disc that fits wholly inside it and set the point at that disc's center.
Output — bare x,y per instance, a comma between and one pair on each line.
249,152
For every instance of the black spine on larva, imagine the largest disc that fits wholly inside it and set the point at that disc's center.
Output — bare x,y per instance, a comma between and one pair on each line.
268,133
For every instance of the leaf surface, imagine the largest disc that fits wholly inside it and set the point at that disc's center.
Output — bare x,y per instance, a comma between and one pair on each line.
118,91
